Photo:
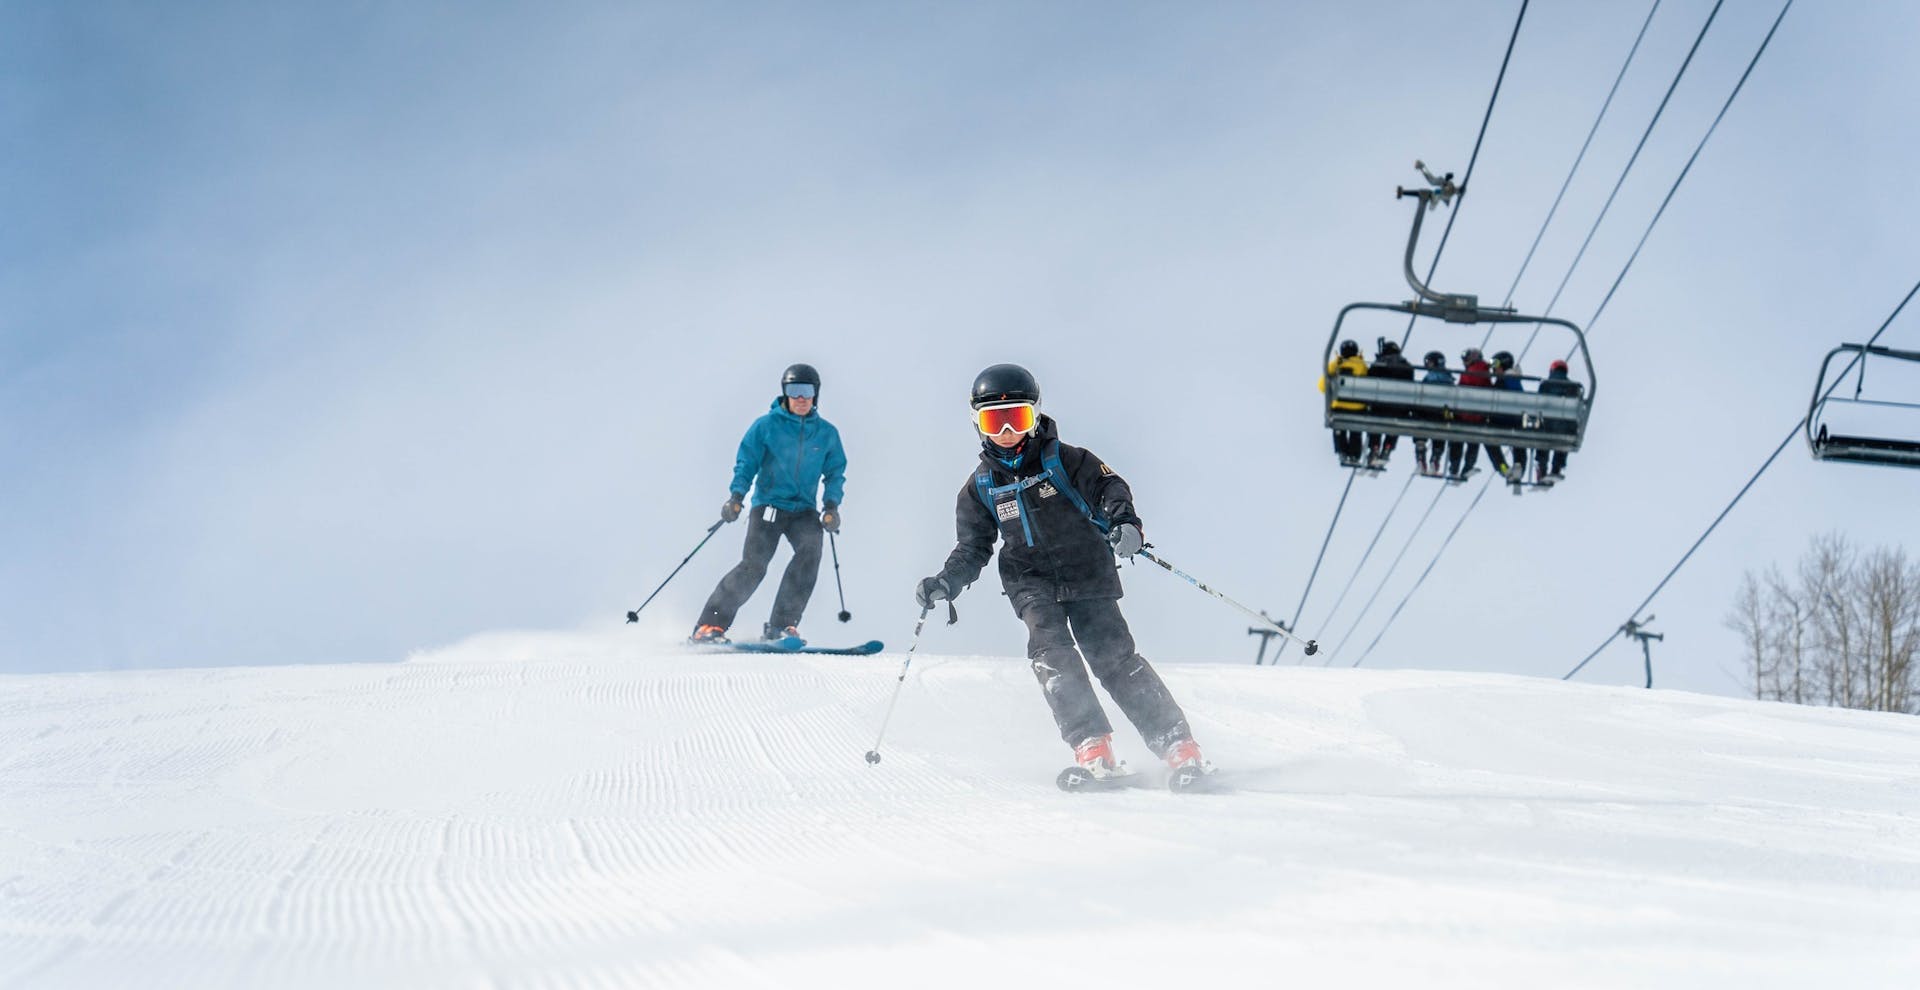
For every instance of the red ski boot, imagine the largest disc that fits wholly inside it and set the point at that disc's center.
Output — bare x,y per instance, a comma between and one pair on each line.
1190,769
1095,756
1094,767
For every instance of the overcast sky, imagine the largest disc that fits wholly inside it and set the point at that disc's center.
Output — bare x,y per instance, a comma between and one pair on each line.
330,332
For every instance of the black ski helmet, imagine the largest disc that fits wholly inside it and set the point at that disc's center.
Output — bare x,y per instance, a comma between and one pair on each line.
1503,360
1349,349
1434,359
800,374
1004,383
1389,347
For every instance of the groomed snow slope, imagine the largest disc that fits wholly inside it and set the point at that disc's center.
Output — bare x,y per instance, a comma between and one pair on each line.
481,819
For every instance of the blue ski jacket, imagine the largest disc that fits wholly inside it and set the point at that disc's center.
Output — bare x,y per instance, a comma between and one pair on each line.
784,458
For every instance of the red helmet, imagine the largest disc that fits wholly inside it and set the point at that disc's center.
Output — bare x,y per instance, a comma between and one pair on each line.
1557,366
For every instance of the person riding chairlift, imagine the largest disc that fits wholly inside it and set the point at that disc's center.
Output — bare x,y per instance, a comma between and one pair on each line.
1347,443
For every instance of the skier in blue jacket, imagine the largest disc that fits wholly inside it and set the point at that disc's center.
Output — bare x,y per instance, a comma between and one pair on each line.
1430,453
784,460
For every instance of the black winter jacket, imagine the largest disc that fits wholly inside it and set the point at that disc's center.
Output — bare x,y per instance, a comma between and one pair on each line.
1053,552
1391,366
1557,383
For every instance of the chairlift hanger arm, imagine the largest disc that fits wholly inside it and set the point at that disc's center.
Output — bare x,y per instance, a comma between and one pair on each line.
1440,190
1892,353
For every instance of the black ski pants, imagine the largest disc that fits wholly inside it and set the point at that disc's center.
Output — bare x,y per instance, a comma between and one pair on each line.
1052,628
765,526
1461,457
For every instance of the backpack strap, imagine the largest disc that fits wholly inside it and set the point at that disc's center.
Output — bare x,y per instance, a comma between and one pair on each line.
1052,469
1050,459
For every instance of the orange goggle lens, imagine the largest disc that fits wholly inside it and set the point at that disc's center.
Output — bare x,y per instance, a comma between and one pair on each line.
1020,417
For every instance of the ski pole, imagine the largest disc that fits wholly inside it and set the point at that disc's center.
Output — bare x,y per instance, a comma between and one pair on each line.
1310,646
953,616
835,544
634,615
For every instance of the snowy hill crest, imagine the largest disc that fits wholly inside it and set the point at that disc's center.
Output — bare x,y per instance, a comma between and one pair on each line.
589,818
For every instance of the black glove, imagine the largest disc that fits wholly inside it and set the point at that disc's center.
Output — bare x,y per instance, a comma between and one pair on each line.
830,517
933,589
731,511
1125,539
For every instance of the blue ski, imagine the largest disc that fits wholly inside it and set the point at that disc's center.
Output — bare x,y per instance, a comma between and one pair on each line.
866,649
790,645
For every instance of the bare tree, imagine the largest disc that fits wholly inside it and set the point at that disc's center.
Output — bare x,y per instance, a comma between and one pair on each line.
1844,630
1749,619
1890,602
1790,619
1828,578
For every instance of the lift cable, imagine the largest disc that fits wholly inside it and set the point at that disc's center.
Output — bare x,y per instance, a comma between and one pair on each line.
1688,167
1485,119
1577,160
1391,568
1761,50
1635,157
1342,597
1740,494
1423,574
1466,180
1352,473
1625,64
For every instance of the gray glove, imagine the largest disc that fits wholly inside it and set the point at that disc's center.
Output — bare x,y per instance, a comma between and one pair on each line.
933,589
1125,539
731,511
830,517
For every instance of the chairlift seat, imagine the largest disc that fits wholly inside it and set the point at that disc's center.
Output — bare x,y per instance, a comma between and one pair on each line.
1444,412
1868,450
1828,446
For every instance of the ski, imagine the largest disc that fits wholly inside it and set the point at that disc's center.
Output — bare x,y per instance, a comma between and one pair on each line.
1194,780
791,644
1076,779
866,649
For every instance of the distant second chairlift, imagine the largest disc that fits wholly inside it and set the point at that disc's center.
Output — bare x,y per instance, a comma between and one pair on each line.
1454,412
1858,449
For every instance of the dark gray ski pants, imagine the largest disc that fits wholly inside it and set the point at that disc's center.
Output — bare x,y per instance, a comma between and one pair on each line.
802,529
1052,628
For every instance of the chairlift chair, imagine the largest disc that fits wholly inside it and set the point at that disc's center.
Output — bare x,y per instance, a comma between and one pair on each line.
1831,446
1452,412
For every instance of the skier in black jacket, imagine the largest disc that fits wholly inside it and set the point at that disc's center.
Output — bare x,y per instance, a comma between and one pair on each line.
1052,503
1388,362
1551,466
